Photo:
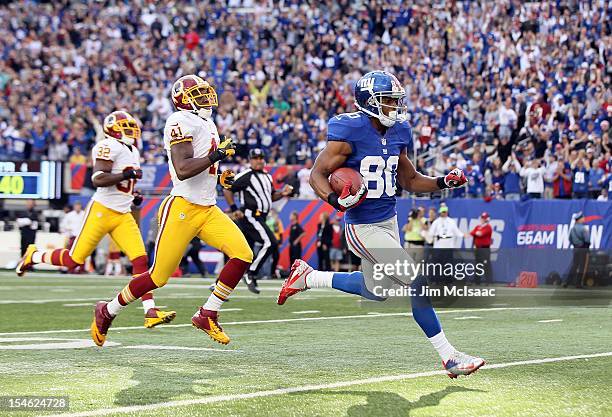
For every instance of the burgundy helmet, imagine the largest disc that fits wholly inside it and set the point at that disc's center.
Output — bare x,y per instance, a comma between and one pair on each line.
194,94
122,126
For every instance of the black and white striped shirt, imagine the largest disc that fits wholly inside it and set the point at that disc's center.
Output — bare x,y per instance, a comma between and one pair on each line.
255,188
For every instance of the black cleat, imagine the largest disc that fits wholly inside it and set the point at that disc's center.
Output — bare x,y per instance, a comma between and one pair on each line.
251,284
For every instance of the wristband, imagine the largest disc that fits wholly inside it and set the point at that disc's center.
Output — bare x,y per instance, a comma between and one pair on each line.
234,207
97,173
441,183
332,199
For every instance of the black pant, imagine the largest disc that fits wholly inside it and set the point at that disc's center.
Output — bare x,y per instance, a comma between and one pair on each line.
483,256
28,237
324,261
194,253
295,252
256,230
150,252
578,268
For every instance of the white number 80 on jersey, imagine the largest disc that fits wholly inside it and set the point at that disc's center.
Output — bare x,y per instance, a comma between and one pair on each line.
383,176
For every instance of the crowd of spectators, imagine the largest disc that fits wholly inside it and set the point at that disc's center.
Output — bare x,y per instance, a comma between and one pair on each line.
516,93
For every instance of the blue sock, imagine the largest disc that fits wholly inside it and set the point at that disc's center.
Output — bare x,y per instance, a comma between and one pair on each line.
353,283
422,310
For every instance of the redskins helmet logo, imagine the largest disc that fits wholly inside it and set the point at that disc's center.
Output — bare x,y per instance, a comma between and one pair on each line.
110,120
178,88
122,126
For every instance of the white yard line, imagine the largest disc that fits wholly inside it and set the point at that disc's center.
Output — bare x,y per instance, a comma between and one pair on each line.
468,318
162,295
173,348
306,312
355,316
550,321
54,300
305,388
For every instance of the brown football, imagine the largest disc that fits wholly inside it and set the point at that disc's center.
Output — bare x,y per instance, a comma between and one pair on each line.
344,175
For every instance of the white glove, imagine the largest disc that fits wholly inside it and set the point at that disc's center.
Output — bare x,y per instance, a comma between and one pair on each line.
346,200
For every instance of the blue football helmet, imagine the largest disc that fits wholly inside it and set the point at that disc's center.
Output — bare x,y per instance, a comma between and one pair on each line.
372,87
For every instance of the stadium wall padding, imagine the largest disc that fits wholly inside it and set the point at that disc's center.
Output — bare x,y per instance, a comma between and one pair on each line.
533,234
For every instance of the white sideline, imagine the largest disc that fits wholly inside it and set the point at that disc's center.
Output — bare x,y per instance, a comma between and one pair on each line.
305,388
355,316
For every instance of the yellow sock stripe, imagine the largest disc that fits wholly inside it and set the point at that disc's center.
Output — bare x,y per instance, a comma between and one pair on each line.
219,295
224,294
224,286
61,256
127,294
222,290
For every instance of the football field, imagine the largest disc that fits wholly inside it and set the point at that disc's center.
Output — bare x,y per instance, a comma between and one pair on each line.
324,353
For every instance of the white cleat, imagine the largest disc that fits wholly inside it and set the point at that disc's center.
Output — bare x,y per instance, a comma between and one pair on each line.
462,364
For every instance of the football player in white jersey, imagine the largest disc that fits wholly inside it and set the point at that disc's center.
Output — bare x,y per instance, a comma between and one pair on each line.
194,151
116,170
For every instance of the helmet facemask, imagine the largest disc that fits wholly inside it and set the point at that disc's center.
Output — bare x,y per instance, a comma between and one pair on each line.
130,132
201,98
396,107
125,129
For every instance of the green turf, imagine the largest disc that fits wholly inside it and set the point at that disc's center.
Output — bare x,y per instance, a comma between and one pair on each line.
288,354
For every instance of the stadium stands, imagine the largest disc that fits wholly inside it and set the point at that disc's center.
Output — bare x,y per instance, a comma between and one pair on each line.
487,80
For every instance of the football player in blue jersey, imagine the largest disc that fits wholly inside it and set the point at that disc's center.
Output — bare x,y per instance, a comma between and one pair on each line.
374,141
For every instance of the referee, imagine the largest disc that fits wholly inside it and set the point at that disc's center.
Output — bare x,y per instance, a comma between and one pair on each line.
256,196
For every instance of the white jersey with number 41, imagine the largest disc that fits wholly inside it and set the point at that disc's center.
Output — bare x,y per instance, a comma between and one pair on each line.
181,127
116,197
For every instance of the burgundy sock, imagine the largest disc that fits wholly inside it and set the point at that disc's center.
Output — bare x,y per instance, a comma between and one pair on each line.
137,287
232,272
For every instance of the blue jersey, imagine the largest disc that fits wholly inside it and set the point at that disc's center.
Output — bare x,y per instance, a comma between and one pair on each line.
376,157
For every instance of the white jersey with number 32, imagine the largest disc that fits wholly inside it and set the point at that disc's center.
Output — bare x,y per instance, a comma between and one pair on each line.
181,127
116,197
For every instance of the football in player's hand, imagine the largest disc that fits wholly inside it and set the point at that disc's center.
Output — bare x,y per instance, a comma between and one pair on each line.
344,175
